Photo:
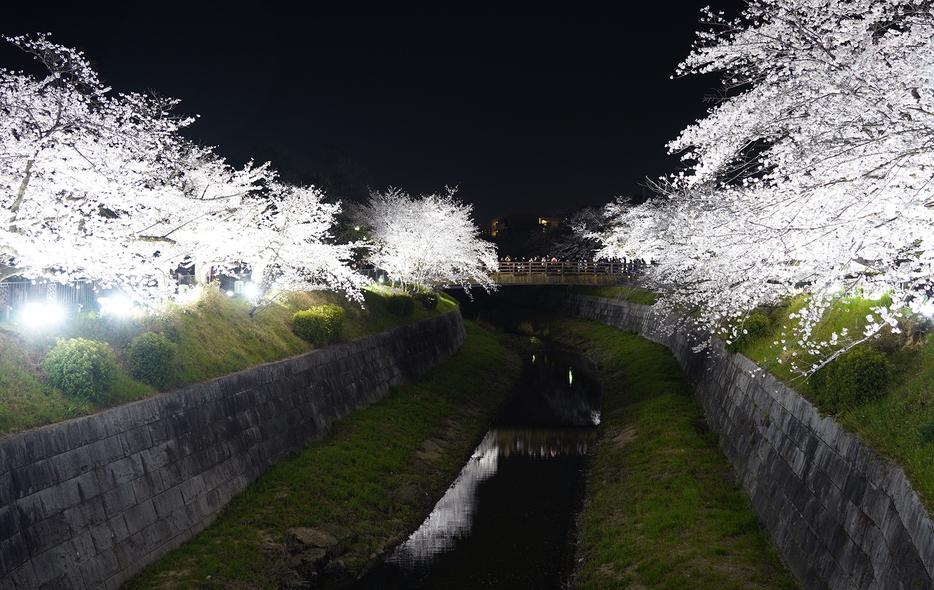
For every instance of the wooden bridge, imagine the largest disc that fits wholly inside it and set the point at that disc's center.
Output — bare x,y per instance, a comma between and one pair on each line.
584,272
83,294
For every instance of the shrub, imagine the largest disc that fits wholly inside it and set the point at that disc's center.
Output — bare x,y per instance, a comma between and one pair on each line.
82,368
856,377
151,356
753,328
401,305
427,300
323,323
926,431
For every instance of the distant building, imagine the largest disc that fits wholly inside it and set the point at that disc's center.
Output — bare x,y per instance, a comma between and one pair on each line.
548,223
523,222
512,224
524,234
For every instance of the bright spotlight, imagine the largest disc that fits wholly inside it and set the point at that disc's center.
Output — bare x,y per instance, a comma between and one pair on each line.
187,294
230,293
119,305
38,314
251,291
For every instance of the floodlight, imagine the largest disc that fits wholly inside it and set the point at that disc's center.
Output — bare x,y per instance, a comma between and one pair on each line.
187,294
37,314
118,305
251,291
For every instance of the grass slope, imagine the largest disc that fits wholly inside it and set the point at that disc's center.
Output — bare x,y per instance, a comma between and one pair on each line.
214,336
900,426
664,509
366,476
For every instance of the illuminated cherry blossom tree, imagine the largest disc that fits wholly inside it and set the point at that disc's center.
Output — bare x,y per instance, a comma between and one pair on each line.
427,241
101,186
284,239
813,173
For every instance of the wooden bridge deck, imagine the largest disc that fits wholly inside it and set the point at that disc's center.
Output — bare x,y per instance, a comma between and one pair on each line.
525,272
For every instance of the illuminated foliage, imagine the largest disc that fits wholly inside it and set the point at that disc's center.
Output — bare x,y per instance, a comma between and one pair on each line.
813,174
100,186
427,240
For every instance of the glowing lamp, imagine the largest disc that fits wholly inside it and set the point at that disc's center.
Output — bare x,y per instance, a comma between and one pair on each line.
37,314
119,305
251,291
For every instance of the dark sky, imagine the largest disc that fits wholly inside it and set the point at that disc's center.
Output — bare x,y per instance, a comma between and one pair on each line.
525,106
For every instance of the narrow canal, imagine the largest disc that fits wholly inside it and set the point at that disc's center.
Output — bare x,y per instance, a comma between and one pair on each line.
508,519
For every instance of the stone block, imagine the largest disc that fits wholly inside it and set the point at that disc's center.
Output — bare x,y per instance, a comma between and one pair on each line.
93,572
136,439
32,477
88,513
13,552
168,502
140,516
126,469
191,489
119,499
104,451
52,562
148,485
22,577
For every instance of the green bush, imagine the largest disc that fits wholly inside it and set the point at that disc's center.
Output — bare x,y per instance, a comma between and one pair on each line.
82,368
319,324
926,431
427,300
753,328
151,355
401,305
856,377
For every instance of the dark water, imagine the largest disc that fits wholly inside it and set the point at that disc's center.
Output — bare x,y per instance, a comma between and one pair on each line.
508,519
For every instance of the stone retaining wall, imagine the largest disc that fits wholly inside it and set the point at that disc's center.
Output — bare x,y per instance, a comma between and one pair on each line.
840,517
90,502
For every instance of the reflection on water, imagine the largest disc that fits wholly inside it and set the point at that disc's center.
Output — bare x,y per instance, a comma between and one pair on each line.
506,521
452,516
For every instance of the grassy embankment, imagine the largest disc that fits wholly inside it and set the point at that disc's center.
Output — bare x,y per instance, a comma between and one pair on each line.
664,509
377,473
214,336
900,424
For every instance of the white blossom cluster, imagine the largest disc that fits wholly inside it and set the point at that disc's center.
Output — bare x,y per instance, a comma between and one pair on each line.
427,241
100,186
813,174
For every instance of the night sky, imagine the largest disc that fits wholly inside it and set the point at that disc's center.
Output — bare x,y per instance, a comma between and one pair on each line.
526,107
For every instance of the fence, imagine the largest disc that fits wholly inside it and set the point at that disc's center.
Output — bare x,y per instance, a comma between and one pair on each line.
77,295
560,268
15,295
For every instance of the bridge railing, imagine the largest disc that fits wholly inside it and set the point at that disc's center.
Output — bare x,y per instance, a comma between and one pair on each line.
14,295
563,267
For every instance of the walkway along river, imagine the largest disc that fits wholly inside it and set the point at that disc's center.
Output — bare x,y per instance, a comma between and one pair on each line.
508,519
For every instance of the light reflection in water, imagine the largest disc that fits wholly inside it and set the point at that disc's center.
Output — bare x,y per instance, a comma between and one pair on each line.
506,521
452,517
